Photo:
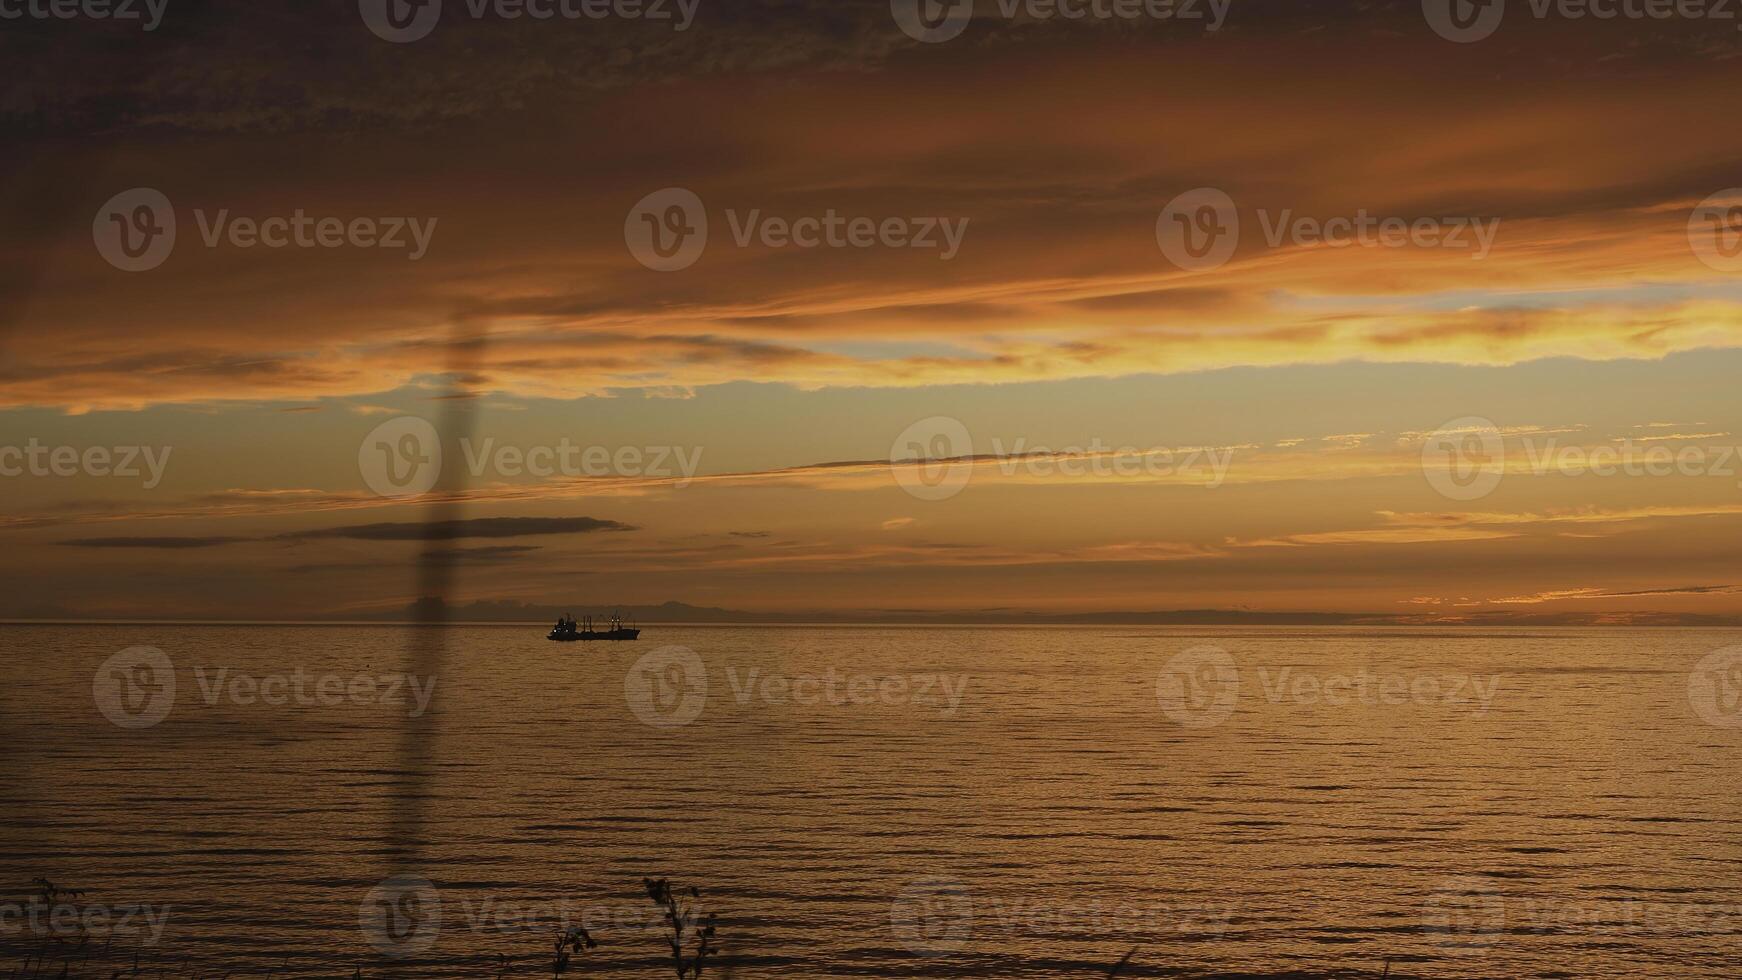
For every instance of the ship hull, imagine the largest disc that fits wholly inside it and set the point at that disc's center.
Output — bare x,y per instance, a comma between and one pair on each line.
622,634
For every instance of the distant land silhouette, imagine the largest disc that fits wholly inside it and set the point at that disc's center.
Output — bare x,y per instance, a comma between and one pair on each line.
431,609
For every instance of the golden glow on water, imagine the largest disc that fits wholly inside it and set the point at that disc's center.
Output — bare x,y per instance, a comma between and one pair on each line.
901,802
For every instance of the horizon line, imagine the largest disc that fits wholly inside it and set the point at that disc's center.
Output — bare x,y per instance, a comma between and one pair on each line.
892,623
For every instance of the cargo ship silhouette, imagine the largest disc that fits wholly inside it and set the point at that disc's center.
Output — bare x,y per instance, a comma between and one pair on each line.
566,631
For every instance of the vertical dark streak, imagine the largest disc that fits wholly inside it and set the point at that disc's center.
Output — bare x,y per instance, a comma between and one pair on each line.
426,657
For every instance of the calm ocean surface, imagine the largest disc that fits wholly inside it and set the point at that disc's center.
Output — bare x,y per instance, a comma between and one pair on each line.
883,801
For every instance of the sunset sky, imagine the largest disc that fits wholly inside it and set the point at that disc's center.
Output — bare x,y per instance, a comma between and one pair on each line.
1294,387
